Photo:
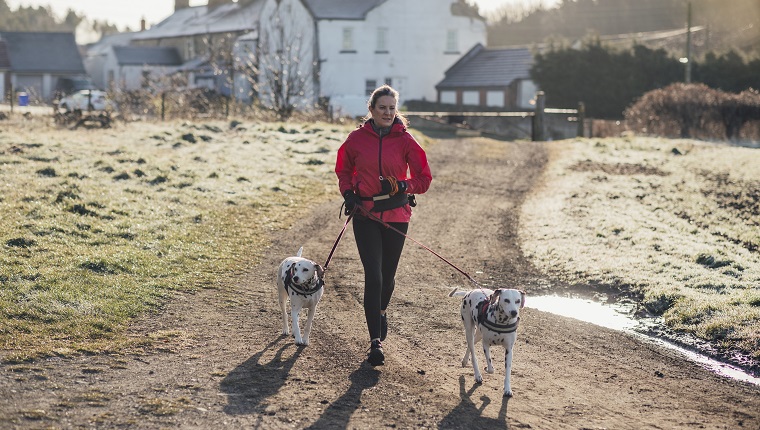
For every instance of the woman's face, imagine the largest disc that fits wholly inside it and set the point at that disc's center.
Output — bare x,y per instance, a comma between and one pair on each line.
384,111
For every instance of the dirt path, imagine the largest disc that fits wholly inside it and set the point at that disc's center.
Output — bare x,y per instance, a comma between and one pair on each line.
222,362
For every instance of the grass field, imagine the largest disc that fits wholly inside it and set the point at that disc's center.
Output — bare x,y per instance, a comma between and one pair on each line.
676,221
100,226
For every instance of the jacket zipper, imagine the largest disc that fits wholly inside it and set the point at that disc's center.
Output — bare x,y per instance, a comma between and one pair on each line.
380,164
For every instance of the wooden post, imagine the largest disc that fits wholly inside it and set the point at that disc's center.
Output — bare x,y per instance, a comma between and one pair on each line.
539,134
163,105
13,95
581,119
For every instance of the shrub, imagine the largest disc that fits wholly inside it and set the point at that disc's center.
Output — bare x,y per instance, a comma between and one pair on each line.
693,111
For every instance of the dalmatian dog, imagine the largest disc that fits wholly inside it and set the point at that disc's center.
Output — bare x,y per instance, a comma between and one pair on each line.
301,280
491,316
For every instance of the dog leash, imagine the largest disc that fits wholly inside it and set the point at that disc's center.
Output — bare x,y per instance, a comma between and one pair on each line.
337,241
372,216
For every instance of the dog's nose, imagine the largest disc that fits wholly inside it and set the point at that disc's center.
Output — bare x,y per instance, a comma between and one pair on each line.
295,279
513,313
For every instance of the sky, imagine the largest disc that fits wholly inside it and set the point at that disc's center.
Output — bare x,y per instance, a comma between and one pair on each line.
128,13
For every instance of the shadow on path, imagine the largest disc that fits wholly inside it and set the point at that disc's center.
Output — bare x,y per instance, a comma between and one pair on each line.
250,384
338,414
466,415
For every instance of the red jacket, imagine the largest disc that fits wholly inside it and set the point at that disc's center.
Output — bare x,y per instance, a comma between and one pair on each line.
358,169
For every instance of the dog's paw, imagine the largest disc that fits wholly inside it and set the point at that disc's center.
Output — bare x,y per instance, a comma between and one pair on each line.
489,370
508,393
478,379
465,362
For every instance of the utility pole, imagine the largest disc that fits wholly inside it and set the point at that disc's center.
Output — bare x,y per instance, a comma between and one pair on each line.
688,44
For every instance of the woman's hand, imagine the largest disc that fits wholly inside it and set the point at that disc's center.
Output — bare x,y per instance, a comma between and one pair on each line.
350,201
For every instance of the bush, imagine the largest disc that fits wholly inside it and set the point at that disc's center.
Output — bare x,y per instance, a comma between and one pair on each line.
693,111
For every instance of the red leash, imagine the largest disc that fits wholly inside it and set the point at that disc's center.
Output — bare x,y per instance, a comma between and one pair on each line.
372,216
337,241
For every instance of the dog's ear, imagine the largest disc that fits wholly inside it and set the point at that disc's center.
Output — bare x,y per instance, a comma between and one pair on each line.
522,299
320,271
495,296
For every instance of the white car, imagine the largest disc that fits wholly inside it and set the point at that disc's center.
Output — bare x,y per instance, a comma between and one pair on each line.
86,100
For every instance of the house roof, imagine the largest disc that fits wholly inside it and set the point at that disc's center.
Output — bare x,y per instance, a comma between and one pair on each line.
226,18
102,46
488,67
150,55
341,9
43,52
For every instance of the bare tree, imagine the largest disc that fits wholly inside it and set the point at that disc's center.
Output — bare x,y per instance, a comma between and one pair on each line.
284,71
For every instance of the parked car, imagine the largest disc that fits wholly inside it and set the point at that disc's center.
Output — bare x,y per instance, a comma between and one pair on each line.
66,86
86,100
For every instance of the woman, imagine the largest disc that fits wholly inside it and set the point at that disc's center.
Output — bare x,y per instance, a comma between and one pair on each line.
378,166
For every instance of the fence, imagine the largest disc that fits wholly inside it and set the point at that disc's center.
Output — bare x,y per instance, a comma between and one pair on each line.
542,123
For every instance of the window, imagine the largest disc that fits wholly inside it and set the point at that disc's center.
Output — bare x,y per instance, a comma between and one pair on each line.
348,39
382,40
495,98
452,42
449,97
471,98
145,82
369,86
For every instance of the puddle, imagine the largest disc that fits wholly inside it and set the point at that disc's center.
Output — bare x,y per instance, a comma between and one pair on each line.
620,317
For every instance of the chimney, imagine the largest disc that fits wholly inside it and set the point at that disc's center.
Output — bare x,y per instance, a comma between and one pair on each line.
142,24
181,4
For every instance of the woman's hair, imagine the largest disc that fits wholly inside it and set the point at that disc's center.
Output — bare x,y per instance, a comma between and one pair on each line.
385,90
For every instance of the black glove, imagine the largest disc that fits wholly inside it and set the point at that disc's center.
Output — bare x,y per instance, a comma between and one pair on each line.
386,186
351,200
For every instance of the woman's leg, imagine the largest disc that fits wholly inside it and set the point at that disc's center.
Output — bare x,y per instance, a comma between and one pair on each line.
393,244
368,236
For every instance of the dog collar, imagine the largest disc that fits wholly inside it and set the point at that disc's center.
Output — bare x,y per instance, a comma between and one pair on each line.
314,285
490,325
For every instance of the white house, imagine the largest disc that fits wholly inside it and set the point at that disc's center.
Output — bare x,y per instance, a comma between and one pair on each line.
132,67
359,45
306,52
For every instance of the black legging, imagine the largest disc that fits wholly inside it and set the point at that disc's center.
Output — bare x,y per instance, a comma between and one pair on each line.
379,249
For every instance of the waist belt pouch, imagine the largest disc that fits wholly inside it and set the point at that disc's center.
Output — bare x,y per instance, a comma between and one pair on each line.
392,202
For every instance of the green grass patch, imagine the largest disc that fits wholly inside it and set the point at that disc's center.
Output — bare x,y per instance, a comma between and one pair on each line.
87,249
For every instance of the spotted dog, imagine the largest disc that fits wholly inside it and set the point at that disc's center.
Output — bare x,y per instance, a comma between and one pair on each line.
303,281
491,316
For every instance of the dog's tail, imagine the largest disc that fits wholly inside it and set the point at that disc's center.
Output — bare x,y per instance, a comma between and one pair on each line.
300,251
455,293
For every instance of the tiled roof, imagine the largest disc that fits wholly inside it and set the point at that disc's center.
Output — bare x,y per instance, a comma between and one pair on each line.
488,67
341,9
42,52
150,55
197,20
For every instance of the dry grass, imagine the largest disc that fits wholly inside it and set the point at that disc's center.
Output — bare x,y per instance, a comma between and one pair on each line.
100,226
677,221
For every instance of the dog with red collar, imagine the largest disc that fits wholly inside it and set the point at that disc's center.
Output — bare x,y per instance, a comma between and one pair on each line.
491,317
302,281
